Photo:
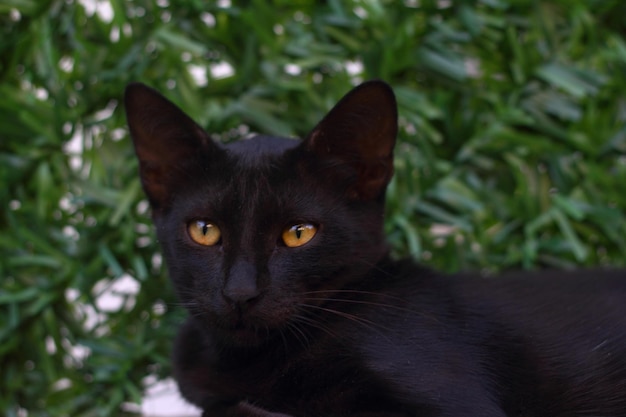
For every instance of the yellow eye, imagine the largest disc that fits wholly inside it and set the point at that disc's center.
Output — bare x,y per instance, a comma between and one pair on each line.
298,234
204,233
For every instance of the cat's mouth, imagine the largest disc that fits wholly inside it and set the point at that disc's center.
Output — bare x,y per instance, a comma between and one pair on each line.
241,333
252,326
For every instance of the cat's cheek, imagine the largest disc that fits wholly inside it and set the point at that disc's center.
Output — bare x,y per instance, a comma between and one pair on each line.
196,278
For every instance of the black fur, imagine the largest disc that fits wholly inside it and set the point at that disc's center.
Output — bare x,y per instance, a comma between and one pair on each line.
335,327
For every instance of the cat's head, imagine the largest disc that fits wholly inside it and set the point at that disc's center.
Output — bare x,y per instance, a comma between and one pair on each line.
258,232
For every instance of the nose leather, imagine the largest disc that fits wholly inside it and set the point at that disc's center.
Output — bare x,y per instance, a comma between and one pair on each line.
241,284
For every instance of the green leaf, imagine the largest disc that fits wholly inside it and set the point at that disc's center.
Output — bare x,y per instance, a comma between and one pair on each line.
576,82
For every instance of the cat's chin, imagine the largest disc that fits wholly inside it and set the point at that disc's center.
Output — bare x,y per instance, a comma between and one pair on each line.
241,335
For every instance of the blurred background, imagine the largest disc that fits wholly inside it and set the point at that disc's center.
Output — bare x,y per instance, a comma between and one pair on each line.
512,153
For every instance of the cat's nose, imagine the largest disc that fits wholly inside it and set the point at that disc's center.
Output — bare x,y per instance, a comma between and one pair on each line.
241,286
241,296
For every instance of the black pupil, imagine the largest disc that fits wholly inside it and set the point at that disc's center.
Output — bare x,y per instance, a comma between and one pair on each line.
205,228
299,231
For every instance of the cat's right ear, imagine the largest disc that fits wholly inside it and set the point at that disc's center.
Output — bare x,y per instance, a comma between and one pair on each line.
168,143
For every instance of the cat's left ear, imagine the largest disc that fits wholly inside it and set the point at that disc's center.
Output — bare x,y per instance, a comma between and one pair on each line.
360,132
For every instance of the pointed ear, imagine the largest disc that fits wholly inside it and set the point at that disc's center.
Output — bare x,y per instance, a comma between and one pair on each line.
167,142
360,131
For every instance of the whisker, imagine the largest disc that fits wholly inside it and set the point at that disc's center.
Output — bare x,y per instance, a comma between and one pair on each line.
349,291
363,302
309,321
412,308
364,322
375,266
298,334
284,339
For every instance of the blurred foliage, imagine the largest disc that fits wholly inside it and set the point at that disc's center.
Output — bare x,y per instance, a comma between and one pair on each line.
512,153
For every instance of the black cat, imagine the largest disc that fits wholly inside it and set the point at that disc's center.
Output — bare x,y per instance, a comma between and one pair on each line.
276,248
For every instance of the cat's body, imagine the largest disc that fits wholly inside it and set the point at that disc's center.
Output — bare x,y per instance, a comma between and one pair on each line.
276,248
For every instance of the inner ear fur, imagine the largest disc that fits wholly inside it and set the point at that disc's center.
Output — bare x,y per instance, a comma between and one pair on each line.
360,131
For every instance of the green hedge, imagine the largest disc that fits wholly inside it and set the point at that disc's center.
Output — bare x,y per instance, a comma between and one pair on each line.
512,152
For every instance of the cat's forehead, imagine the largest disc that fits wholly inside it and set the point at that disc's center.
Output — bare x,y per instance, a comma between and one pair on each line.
254,180
259,147
254,173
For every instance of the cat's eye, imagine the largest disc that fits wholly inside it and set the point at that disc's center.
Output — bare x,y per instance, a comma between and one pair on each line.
204,233
298,235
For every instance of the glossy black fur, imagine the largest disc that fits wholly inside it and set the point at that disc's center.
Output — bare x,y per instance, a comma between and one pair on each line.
336,327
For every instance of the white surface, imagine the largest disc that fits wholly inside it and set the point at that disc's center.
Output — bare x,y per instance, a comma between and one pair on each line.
163,400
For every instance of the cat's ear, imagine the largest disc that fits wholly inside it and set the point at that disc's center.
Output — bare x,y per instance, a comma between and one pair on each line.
360,131
168,143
